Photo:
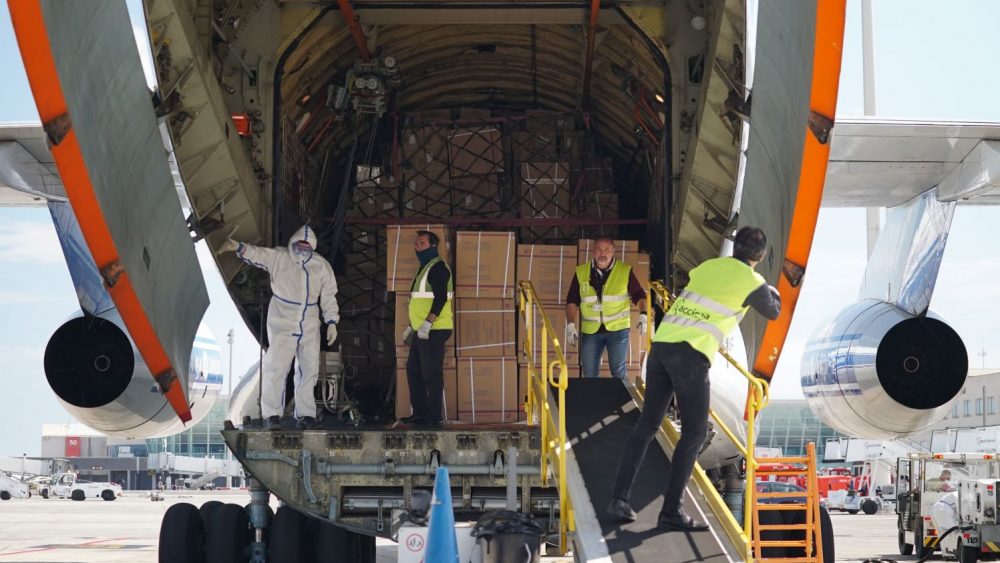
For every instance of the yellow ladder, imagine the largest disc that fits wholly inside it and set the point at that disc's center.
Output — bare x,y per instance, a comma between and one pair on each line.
812,543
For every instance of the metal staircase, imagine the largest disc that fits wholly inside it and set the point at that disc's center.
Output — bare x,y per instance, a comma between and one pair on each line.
795,515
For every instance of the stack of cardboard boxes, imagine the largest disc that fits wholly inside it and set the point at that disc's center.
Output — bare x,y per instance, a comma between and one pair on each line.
485,365
485,286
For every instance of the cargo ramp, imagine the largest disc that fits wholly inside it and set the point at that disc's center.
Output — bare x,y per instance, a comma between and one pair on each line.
602,414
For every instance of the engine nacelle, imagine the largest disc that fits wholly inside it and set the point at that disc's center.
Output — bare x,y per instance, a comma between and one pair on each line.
101,379
878,372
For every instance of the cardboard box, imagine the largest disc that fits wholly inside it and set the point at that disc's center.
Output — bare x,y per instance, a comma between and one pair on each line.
487,390
401,261
485,327
475,151
449,404
641,268
476,196
423,146
544,190
592,174
403,320
485,264
625,250
550,268
599,205
557,317
424,197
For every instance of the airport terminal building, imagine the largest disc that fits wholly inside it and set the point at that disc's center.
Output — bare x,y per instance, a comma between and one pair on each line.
96,457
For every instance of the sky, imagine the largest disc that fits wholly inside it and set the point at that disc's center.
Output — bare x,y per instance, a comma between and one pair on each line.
930,63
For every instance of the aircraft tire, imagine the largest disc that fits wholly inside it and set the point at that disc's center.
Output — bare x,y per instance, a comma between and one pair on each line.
227,534
335,544
206,510
291,538
182,535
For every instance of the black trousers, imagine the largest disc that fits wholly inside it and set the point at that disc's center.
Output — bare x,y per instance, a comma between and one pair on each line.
425,375
672,368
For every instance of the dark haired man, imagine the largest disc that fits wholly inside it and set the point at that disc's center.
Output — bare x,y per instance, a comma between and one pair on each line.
431,320
719,293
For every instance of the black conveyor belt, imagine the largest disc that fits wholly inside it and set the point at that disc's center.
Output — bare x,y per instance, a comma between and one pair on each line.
600,414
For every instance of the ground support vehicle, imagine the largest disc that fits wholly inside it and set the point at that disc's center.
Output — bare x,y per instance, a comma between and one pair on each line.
67,485
923,480
13,488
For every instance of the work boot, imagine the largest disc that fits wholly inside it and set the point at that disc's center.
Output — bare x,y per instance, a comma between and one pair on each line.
273,423
620,510
306,423
679,522
412,419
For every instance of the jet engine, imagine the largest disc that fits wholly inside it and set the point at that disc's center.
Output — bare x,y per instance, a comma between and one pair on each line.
98,375
879,372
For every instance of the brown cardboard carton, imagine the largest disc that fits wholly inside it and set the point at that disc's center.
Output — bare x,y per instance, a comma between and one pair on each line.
599,205
624,250
401,260
450,406
550,268
485,264
487,390
476,196
474,151
427,196
403,320
545,190
641,268
557,317
485,327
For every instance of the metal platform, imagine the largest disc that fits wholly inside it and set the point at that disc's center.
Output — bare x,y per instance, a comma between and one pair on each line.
600,417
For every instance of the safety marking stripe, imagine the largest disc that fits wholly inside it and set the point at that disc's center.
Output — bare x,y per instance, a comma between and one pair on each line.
827,52
993,547
36,52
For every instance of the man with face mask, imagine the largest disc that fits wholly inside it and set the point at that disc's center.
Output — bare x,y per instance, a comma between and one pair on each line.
302,283
600,293
431,320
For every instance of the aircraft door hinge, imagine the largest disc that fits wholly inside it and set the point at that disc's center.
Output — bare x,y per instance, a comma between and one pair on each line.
820,125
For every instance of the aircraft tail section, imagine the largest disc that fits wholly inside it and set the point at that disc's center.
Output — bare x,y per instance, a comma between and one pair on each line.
86,77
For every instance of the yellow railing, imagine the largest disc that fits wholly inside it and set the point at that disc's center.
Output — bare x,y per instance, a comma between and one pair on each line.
758,393
550,374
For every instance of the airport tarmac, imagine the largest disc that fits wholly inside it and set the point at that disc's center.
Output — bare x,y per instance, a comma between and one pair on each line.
126,531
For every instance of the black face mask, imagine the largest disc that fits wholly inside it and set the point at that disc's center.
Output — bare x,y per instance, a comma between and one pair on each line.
426,255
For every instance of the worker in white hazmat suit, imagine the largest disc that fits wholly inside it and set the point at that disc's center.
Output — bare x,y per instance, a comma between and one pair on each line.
302,283
944,514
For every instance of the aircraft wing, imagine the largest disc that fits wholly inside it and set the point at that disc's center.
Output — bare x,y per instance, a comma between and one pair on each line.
885,163
85,74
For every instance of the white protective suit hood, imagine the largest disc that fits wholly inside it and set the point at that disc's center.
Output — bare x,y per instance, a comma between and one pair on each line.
307,234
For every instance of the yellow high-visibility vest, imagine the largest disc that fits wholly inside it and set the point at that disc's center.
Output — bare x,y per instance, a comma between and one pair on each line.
422,298
611,309
710,306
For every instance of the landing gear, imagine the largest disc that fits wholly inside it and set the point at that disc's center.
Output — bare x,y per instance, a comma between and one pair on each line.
227,534
291,541
335,544
182,535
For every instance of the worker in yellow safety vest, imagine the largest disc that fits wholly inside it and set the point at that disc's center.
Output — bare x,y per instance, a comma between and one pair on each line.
432,321
719,293
600,293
